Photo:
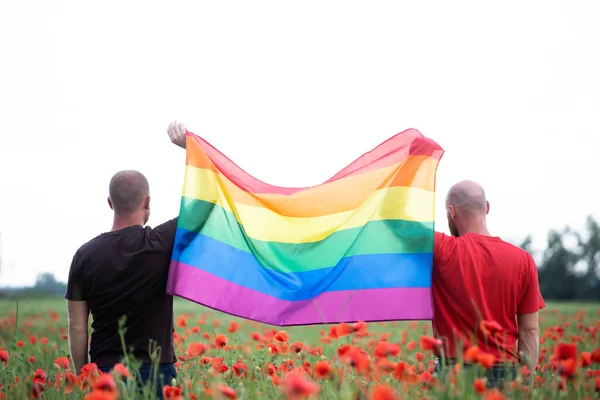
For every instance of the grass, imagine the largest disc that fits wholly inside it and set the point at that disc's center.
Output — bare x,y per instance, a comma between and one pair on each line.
269,361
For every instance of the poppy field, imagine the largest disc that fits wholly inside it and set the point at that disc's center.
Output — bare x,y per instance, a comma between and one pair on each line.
229,358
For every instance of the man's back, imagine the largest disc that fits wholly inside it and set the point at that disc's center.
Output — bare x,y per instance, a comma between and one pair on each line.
124,272
476,278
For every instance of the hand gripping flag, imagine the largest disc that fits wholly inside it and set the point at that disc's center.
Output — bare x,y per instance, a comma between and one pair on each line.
358,247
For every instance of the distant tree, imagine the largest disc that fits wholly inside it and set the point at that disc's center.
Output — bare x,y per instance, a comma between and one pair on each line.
556,275
46,283
589,254
527,244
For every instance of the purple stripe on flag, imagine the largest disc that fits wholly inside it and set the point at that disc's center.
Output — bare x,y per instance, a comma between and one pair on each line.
330,307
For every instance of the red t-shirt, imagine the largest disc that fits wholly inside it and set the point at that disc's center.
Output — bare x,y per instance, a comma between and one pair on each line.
500,279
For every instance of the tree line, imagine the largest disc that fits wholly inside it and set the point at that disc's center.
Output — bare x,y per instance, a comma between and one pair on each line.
568,266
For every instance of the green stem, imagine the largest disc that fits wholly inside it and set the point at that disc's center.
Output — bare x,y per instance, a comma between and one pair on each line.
17,321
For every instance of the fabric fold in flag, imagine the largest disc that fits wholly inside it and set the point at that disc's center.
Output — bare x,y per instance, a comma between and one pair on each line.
358,247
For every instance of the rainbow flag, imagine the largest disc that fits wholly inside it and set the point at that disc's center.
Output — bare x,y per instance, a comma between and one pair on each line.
357,247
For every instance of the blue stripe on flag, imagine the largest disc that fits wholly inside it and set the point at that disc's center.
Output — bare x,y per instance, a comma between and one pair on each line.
351,273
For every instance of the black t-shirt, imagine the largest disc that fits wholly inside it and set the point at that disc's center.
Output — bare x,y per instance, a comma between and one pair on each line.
121,273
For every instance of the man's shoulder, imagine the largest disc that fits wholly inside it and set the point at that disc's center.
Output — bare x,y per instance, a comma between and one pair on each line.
85,252
468,240
510,253
93,244
443,239
170,224
89,246
102,241
511,248
442,235
163,234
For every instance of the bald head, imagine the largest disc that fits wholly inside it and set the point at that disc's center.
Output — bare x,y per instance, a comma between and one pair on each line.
467,197
127,191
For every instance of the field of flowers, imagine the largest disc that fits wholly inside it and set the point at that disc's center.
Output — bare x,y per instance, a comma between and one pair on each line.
224,357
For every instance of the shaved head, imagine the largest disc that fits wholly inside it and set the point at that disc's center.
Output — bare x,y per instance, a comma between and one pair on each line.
467,207
467,197
128,191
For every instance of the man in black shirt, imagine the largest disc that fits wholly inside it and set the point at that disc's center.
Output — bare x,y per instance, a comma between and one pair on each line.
124,273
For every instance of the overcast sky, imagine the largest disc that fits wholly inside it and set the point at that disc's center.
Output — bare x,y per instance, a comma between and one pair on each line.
292,92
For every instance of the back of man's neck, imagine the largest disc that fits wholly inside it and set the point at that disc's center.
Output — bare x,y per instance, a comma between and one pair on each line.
125,222
477,231
477,227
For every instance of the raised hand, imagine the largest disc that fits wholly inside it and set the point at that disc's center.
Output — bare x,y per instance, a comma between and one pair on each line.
177,133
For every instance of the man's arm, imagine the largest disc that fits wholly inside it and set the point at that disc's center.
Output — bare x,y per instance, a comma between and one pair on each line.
443,248
78,314
529,339
164,234
527,317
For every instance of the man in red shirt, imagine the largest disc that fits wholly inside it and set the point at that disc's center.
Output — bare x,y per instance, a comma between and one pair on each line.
479,277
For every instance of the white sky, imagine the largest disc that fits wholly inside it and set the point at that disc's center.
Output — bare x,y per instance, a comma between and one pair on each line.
292,92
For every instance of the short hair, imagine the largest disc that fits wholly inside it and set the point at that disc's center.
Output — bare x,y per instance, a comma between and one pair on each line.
127,191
